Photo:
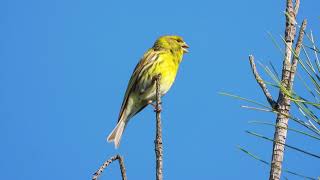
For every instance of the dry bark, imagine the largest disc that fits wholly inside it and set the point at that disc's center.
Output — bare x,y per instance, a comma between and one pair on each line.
280,135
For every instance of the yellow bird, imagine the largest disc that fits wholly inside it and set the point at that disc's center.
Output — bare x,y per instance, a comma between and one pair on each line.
163,58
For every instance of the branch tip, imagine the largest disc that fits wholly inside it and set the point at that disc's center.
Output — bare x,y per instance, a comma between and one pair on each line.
261,83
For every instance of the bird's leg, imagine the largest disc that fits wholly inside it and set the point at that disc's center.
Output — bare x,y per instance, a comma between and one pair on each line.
154,105
157,105
150,102
154,80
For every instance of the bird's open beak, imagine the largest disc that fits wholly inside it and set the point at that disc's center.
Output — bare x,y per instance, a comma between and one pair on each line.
185,47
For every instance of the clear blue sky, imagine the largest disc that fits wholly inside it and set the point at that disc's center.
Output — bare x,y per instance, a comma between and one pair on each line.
64,67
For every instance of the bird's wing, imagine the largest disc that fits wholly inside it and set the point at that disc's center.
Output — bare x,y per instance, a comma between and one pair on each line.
147,60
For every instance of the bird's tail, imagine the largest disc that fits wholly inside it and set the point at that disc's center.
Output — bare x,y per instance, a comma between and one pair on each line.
116,133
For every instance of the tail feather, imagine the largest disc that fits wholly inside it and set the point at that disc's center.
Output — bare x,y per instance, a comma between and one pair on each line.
115,135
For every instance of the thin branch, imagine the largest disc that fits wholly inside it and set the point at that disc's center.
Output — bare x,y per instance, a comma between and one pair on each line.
122,168
297,52
290,32
107,163
296,7
158,141
261,82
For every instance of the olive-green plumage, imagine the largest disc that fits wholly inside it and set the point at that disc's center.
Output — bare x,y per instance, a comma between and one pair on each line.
163,58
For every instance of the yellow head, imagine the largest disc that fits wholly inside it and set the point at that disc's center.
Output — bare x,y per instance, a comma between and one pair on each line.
172,43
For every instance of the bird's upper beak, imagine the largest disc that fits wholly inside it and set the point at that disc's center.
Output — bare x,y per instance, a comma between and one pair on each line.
185,47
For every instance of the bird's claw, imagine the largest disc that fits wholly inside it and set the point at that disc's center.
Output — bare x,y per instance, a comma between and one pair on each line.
156,108
150,102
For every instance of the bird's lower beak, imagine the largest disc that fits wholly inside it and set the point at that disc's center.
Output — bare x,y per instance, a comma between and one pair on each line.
185,48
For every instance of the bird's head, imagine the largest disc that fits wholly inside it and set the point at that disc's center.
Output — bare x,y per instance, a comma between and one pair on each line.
174,43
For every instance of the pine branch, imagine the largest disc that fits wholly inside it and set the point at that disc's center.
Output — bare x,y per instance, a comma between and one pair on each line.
288,72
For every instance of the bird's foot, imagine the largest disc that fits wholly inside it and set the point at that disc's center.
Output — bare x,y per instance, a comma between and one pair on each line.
150,102
156,108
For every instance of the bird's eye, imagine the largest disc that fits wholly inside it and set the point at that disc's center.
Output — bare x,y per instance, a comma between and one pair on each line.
179,40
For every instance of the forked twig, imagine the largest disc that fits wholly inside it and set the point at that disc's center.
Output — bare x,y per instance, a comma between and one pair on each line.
261,82
107,163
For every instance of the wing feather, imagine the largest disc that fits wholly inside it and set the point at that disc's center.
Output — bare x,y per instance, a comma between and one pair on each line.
147,60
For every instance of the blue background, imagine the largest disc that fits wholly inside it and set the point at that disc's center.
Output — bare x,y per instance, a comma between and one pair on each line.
64,68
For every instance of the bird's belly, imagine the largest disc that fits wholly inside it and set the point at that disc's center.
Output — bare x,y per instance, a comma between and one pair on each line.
168,71
167,78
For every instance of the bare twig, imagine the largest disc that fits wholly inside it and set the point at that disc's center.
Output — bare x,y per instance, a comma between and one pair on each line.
107,163
261,82
122,168
158,140
297,52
